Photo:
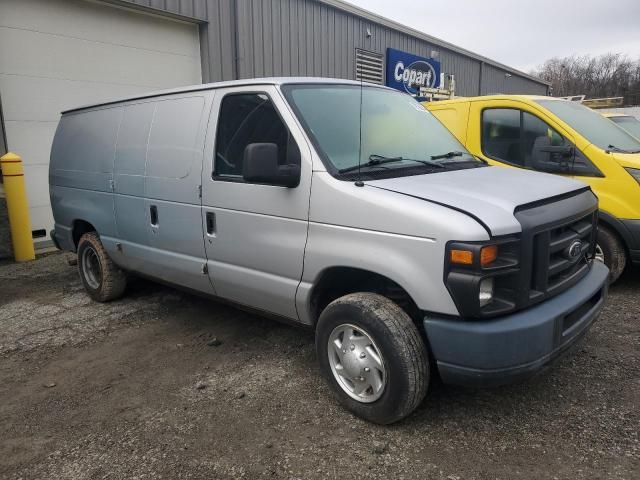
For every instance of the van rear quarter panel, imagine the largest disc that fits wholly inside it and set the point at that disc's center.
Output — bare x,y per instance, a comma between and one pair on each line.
81,171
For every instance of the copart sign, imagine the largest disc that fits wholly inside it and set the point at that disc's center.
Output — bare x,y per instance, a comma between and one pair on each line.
408,72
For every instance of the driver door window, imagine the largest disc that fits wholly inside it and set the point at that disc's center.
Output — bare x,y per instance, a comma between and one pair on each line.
247,118
537,138
501,135
522,139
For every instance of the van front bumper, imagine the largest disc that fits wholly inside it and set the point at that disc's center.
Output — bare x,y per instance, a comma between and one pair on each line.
499,351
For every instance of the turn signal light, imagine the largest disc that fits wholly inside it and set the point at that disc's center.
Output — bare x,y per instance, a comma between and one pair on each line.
488,255
462,257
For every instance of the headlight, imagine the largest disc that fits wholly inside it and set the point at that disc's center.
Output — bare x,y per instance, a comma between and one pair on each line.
486,292
634,172
480,276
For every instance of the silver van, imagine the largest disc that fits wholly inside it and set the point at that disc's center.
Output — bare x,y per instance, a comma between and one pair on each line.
345,207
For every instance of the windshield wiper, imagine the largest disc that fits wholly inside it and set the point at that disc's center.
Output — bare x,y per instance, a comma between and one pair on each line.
447,155
375,160
613,148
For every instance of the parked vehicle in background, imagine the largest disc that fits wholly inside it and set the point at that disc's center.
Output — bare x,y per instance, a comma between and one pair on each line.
565,138
627,122
344,207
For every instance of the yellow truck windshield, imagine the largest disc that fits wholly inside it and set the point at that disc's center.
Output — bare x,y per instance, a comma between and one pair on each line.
628,123
591,125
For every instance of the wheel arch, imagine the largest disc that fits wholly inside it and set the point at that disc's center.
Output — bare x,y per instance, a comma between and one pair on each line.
616,227
336,281
80,227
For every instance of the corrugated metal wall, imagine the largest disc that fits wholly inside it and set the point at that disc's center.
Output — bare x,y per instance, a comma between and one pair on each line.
310,38
495,80
306,37
185,8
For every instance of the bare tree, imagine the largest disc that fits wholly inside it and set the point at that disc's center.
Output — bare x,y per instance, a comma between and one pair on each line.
607,75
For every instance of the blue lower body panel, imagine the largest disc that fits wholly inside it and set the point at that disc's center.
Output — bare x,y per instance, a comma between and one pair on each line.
506,349
62,238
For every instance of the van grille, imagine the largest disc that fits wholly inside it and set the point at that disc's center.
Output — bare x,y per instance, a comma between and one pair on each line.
560,255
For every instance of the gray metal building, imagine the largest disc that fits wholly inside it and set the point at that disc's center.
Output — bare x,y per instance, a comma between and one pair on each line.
256,38
58,54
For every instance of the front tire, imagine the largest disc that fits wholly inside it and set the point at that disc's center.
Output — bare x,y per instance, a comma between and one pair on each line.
373,357
101,278
611,251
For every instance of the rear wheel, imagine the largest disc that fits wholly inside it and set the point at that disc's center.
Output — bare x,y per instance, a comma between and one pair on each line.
611,251
373,357
101,278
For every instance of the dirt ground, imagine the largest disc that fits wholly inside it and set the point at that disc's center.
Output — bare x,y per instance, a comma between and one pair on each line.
162,384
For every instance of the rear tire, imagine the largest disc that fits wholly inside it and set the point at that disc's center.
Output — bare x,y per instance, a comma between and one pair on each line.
612,252
379,328
101,278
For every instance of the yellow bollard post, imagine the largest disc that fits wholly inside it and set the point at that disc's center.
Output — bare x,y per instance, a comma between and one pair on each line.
17,206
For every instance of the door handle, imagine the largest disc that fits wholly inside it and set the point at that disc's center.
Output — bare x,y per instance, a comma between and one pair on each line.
210,219
153,214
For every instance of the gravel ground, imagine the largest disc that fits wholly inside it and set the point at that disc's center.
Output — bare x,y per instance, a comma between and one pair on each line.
162,384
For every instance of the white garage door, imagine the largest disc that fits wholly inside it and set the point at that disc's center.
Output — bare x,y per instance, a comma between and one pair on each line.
60,54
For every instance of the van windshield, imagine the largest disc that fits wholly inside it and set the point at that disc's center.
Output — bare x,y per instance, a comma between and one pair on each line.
597,129
628,123
394,135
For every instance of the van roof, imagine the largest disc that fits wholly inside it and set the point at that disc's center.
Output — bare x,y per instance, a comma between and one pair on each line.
231,83
494,97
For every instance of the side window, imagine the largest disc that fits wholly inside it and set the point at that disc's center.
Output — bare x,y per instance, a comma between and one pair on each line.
247,118
543,146
520,138
501,135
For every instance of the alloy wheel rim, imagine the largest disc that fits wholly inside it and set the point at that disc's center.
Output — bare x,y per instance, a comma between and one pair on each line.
356,363
91,269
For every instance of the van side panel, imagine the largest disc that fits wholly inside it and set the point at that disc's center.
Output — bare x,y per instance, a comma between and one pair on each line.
131,154
81,172
172,190
175,149
454,116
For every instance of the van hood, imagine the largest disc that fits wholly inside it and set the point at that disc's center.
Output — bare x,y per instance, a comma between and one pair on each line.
490,194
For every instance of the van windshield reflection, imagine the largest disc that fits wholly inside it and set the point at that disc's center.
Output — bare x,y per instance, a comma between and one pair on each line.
375,131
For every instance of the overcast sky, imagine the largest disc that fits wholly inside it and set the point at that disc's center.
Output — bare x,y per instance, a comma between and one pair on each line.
522,33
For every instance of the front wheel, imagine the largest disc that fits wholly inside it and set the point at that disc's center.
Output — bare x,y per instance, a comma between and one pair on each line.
101,278
373,357
611,251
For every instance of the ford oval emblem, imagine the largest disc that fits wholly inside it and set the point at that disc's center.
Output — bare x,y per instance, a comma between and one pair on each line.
574,250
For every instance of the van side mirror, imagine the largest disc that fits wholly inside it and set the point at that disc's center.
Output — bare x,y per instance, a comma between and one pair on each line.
563,151
553,158
260,165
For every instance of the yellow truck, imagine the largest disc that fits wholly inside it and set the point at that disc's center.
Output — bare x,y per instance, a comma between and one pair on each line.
561,137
